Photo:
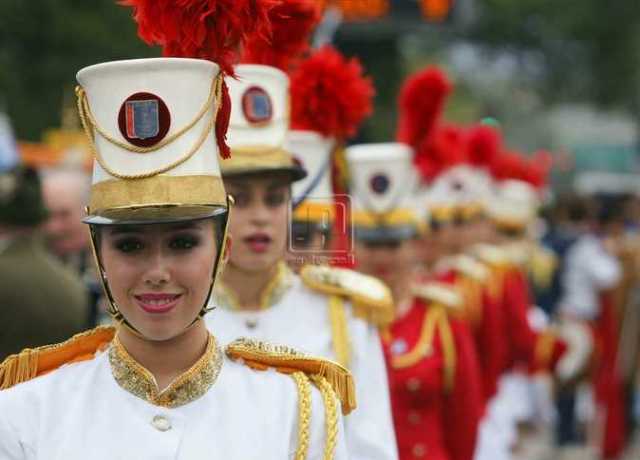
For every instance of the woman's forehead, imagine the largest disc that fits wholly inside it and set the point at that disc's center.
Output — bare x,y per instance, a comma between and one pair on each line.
158,228
255,183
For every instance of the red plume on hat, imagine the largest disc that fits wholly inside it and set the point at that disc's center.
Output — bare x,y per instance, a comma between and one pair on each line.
443,149
330,94
204,29
420,105
292,22
483,145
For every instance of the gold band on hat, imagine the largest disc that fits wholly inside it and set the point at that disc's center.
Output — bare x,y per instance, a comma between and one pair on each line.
314,211
160,190
256,158
395,218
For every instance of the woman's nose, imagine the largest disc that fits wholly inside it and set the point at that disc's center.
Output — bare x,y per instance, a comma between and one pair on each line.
158,271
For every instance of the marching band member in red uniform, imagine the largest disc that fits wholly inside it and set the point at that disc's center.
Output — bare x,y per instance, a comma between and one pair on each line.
434,378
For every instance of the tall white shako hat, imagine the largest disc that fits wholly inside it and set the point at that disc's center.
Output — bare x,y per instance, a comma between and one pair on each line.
331,97
259,123
482,145
381,182
518,191
150,123
313,196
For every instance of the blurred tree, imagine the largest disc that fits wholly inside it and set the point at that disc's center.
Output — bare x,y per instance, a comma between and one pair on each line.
591,48
44,43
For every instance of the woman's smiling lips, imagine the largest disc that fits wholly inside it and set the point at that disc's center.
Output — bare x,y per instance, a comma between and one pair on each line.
258,242
157,302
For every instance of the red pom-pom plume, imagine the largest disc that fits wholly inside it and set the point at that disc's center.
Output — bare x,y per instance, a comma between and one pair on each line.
292,22
442,150
420,104
204,29
330,95
483,146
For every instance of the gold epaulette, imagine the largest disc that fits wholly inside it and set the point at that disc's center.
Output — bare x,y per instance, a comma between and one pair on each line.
542,266
263,355
370,297
34,362
518,254
490,254
439,293
471,268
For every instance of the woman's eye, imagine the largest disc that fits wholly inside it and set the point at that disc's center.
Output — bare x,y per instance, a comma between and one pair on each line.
273,200
128,245
241,199
183,242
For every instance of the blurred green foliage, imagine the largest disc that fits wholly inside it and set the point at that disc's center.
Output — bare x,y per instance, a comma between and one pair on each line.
44,43
591,47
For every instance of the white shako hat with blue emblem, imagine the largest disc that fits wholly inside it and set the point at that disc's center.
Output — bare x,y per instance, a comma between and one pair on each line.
150,124
259,123
382,181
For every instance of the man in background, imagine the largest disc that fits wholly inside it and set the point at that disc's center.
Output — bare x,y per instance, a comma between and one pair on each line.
65,193
41,301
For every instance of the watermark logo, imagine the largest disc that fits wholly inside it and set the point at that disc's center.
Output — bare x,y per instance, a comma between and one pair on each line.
320,231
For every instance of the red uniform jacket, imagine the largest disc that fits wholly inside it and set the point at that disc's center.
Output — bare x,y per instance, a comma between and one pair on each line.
436,390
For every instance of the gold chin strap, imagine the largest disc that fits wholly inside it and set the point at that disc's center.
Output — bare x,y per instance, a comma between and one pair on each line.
113,309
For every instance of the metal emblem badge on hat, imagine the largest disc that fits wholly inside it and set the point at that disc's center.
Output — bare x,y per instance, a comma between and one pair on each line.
382,181
259,122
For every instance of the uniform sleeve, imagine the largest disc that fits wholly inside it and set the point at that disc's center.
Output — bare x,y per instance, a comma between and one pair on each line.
12,446
521,337
318,430
370,432
604,270
464,404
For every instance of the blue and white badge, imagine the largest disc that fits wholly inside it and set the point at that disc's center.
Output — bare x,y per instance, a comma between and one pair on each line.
144,119
256,105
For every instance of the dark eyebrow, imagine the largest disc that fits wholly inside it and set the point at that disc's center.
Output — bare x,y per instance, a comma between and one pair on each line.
120,229
124,229
278,184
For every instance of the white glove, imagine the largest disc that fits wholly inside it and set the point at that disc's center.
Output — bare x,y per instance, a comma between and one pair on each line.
579,342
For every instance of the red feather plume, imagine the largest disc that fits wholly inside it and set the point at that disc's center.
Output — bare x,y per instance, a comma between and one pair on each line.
420,104
483,146
330,95
204,29
444,149
292,22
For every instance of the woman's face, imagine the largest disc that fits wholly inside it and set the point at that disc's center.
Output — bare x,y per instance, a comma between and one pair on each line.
259,220
159,274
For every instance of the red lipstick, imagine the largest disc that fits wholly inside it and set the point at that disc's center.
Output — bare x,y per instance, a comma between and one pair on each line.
157,302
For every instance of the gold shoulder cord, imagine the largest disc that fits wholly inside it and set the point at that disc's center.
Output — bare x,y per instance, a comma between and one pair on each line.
330,415
339,330
435,320
304,413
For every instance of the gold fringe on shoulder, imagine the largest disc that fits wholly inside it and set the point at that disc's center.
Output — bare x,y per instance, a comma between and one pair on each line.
263,355
441,293
371,299
34,362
